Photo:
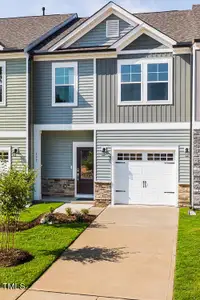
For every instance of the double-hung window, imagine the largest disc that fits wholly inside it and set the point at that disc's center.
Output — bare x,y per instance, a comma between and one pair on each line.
145,81
2,83
64,84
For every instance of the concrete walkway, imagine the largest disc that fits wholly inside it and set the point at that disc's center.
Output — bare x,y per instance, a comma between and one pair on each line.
129,252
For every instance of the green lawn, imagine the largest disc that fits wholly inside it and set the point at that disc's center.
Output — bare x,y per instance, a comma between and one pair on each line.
34,211
187,275
44,242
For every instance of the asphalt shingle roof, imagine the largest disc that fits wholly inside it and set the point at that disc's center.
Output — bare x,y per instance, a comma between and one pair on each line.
17,33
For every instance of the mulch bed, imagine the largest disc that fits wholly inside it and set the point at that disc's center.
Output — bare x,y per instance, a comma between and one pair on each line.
14,257
20,226
60,218
55,218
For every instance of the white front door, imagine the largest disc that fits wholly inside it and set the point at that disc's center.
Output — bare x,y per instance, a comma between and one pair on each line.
147,181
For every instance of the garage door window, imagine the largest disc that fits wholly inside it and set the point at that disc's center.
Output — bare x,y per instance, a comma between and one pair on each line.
160,156
129,156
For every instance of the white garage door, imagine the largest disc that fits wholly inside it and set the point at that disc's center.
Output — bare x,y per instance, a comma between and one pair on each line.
146,178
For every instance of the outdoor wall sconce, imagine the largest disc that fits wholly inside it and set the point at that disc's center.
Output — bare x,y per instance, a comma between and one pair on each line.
15,151
187,151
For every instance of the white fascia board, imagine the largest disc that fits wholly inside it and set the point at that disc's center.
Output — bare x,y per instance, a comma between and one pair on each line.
102,14
138,31
113,126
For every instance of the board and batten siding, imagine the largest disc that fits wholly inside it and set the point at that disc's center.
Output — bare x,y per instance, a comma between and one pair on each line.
97,36
143,138
13,115
108,110
144,42
44,113
57,152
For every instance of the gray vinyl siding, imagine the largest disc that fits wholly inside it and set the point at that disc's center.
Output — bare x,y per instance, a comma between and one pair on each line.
57,152
143,138
19,159
13,115
44,113
197,87
108,110
97,36
144,42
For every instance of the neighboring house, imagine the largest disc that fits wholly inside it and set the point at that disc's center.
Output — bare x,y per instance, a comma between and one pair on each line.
108,104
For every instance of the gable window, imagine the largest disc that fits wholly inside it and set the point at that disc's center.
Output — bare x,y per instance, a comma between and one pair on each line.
2,83
64,84
145,81
112,28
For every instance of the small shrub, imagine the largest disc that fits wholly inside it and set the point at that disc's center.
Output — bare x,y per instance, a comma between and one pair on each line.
68,211
79,216
85,211
51,210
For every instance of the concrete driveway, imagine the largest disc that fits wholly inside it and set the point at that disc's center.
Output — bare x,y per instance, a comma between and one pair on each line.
129,252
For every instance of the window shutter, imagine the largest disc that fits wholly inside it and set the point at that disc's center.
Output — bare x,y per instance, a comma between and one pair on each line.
112,28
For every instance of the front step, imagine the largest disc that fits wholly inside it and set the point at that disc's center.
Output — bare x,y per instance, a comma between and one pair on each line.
84,201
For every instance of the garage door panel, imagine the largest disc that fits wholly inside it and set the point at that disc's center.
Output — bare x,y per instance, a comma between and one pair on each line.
121,183
147,182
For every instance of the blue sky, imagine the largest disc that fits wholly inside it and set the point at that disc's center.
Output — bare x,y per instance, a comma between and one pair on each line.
11,8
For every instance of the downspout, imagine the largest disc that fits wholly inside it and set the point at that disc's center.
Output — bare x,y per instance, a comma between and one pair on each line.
192,118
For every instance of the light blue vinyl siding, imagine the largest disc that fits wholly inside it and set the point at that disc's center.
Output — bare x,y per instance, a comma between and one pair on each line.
13,115
57,152
143,138
97,36
44,113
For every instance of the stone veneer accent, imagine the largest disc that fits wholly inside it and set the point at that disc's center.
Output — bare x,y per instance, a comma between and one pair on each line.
58,187
196,167
102,193
184,195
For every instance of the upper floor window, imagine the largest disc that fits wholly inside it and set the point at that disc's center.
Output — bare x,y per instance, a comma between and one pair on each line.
112,28
145,82
2,83
64,84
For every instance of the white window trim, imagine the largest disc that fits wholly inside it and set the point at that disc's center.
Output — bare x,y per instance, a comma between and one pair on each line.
3,66
107,31
65,65
7,149
144,63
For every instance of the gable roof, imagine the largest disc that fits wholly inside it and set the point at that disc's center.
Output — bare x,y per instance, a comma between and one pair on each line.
18,33
182,26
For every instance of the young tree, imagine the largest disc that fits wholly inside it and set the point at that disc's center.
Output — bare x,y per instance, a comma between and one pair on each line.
16,188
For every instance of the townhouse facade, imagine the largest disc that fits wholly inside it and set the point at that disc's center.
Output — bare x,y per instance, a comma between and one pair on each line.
110,111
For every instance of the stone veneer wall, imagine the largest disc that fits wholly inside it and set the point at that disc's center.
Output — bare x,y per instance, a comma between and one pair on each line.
58,187
102,193
196,167
184,195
